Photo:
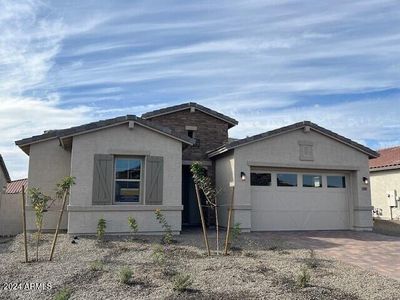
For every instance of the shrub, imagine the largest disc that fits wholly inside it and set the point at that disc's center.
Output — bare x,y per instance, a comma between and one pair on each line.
303,279
312,261
63,294
249,254
167,239
101,229
125,275
169,271
96,265
158,255
236,231
234,234
181,282
123,248
133,225
276,245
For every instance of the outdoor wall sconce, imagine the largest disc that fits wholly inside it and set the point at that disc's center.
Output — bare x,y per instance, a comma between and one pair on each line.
365,180
243,176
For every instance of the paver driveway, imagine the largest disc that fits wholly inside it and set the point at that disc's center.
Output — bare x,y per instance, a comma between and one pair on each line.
368,250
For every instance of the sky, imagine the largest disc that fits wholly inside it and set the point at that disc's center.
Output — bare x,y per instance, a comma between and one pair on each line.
265,63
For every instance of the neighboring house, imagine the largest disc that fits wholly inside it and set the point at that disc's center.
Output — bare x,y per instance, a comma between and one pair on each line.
299,177
385,183
10,208
4,176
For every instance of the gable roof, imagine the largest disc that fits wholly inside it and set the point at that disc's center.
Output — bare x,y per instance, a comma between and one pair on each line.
15,186
171,109
389,159
65,135
4,169
238,143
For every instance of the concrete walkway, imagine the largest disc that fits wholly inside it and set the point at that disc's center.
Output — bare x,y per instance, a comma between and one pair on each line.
371,251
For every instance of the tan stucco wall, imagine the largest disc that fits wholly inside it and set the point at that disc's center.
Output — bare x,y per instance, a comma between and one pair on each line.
283,151
122,140
48,164
224,170
10,214
381,183
85,221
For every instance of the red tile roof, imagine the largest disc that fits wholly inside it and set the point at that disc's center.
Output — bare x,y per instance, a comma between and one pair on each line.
15,187
389,158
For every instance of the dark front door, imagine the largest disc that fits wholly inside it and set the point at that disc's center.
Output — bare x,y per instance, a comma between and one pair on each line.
190,215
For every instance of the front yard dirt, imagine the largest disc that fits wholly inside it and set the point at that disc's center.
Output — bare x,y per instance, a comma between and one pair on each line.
259,268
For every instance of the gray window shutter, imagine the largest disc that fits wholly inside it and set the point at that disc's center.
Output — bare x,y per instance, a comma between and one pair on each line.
154,180
102,179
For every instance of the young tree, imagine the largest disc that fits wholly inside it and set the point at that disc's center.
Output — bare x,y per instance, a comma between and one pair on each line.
203,182
39,203
63,189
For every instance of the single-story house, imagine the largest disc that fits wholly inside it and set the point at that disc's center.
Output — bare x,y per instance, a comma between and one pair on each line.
385,183
299,177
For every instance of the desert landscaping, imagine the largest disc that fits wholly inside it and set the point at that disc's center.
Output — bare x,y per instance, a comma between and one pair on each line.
144,267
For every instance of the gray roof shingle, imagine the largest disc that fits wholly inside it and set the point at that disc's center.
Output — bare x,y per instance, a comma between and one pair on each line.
101,124
188,105
234,144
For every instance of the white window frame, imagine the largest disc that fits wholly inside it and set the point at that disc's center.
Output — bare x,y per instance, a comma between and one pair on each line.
141,180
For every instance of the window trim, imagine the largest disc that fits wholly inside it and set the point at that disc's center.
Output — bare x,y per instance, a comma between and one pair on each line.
313,175
333,187
261,172
141,180
287,186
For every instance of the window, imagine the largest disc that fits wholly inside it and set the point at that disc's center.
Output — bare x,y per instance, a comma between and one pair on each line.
260,179
286,179
336,181
312,181
127,179
192,135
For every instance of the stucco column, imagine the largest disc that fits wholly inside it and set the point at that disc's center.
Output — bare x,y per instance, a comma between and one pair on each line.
362,216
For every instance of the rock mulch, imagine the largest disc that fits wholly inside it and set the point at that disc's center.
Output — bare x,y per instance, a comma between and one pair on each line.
256,269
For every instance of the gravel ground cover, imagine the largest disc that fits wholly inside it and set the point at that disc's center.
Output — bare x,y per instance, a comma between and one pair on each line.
388,227
256,269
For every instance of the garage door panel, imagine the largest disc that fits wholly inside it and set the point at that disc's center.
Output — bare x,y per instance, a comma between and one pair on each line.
299,208
280,201
299,220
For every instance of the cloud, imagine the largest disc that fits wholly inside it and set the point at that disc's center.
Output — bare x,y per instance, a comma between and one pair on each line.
28,47
374,120
24,117
266,63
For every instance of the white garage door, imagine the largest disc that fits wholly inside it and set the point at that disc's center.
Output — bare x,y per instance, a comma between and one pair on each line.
290,200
